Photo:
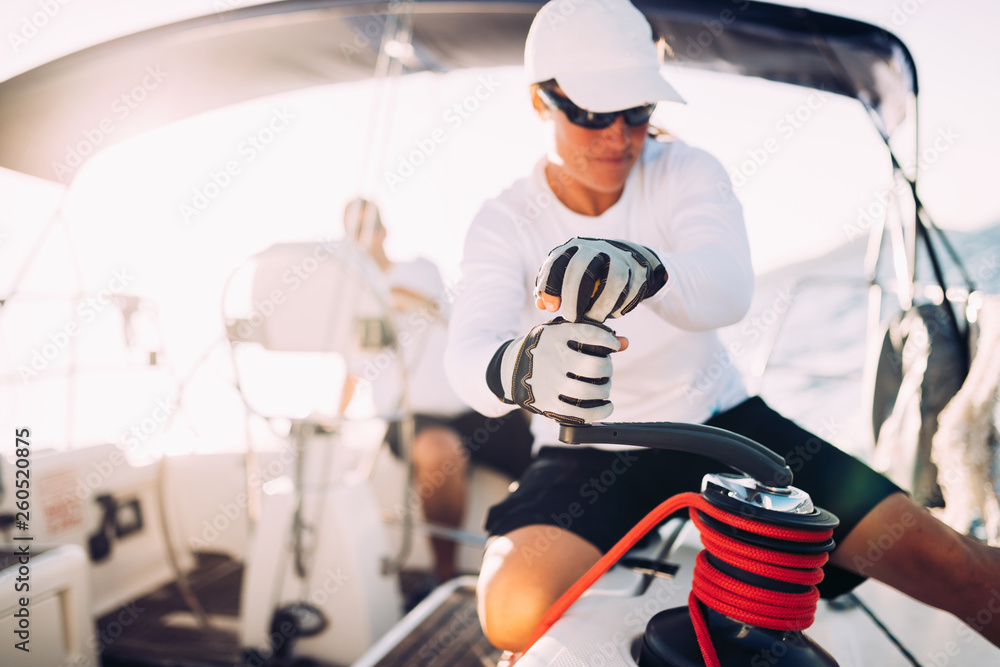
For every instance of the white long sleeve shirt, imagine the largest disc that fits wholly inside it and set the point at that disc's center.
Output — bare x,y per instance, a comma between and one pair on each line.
677,201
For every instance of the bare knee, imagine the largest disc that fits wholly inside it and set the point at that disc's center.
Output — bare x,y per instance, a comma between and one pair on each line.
438,449
523,574
509,610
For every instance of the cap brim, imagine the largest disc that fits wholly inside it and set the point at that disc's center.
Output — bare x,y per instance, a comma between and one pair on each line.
615,90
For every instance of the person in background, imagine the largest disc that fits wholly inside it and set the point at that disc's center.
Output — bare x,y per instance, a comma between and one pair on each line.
658,246
448,434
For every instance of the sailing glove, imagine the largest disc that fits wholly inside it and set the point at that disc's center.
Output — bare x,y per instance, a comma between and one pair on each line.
598,278
561,370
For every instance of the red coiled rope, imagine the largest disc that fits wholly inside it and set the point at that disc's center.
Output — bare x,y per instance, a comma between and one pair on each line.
744,602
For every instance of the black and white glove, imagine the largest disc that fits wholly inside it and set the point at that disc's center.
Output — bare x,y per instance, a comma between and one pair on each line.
561,369
598,278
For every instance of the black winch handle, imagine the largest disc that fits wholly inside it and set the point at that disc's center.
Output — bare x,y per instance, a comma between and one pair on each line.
732,449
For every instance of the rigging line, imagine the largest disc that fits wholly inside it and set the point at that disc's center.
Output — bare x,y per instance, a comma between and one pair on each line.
299,525
407,435
900,264
72,253
663,554
182,384
881,626
921,212
949,310
403,36
33,253
74,344
278,583
308,556
921,217
183,583
251,467
924,217
386,67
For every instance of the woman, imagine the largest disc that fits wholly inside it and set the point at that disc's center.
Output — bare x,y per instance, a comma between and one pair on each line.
655,235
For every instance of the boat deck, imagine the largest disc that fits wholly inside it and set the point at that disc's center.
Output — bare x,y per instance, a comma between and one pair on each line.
442,630
160,630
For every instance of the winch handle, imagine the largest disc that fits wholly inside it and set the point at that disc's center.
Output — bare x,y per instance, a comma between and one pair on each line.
732,449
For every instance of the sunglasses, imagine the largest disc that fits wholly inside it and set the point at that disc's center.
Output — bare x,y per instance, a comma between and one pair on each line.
594,120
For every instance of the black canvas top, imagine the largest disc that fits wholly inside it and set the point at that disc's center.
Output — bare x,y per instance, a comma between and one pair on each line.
219,59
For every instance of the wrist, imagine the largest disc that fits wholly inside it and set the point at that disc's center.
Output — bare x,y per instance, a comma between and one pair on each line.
657,276
500,370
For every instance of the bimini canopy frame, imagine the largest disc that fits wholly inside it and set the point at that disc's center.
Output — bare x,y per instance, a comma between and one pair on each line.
56,115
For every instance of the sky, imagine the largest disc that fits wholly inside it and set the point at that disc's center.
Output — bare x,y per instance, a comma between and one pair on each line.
157,217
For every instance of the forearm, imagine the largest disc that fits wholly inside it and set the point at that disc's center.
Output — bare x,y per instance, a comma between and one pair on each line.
486,313
706,289
704,249
466,362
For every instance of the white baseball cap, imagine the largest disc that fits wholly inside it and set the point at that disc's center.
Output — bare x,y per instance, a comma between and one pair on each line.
601,52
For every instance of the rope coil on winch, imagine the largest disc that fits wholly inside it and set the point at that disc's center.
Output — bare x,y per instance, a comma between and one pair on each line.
732,597
746,602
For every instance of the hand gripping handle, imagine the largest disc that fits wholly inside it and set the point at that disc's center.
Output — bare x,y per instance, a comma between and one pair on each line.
732,449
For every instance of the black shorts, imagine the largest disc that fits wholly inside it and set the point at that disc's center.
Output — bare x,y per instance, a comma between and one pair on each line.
502,443
600,494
